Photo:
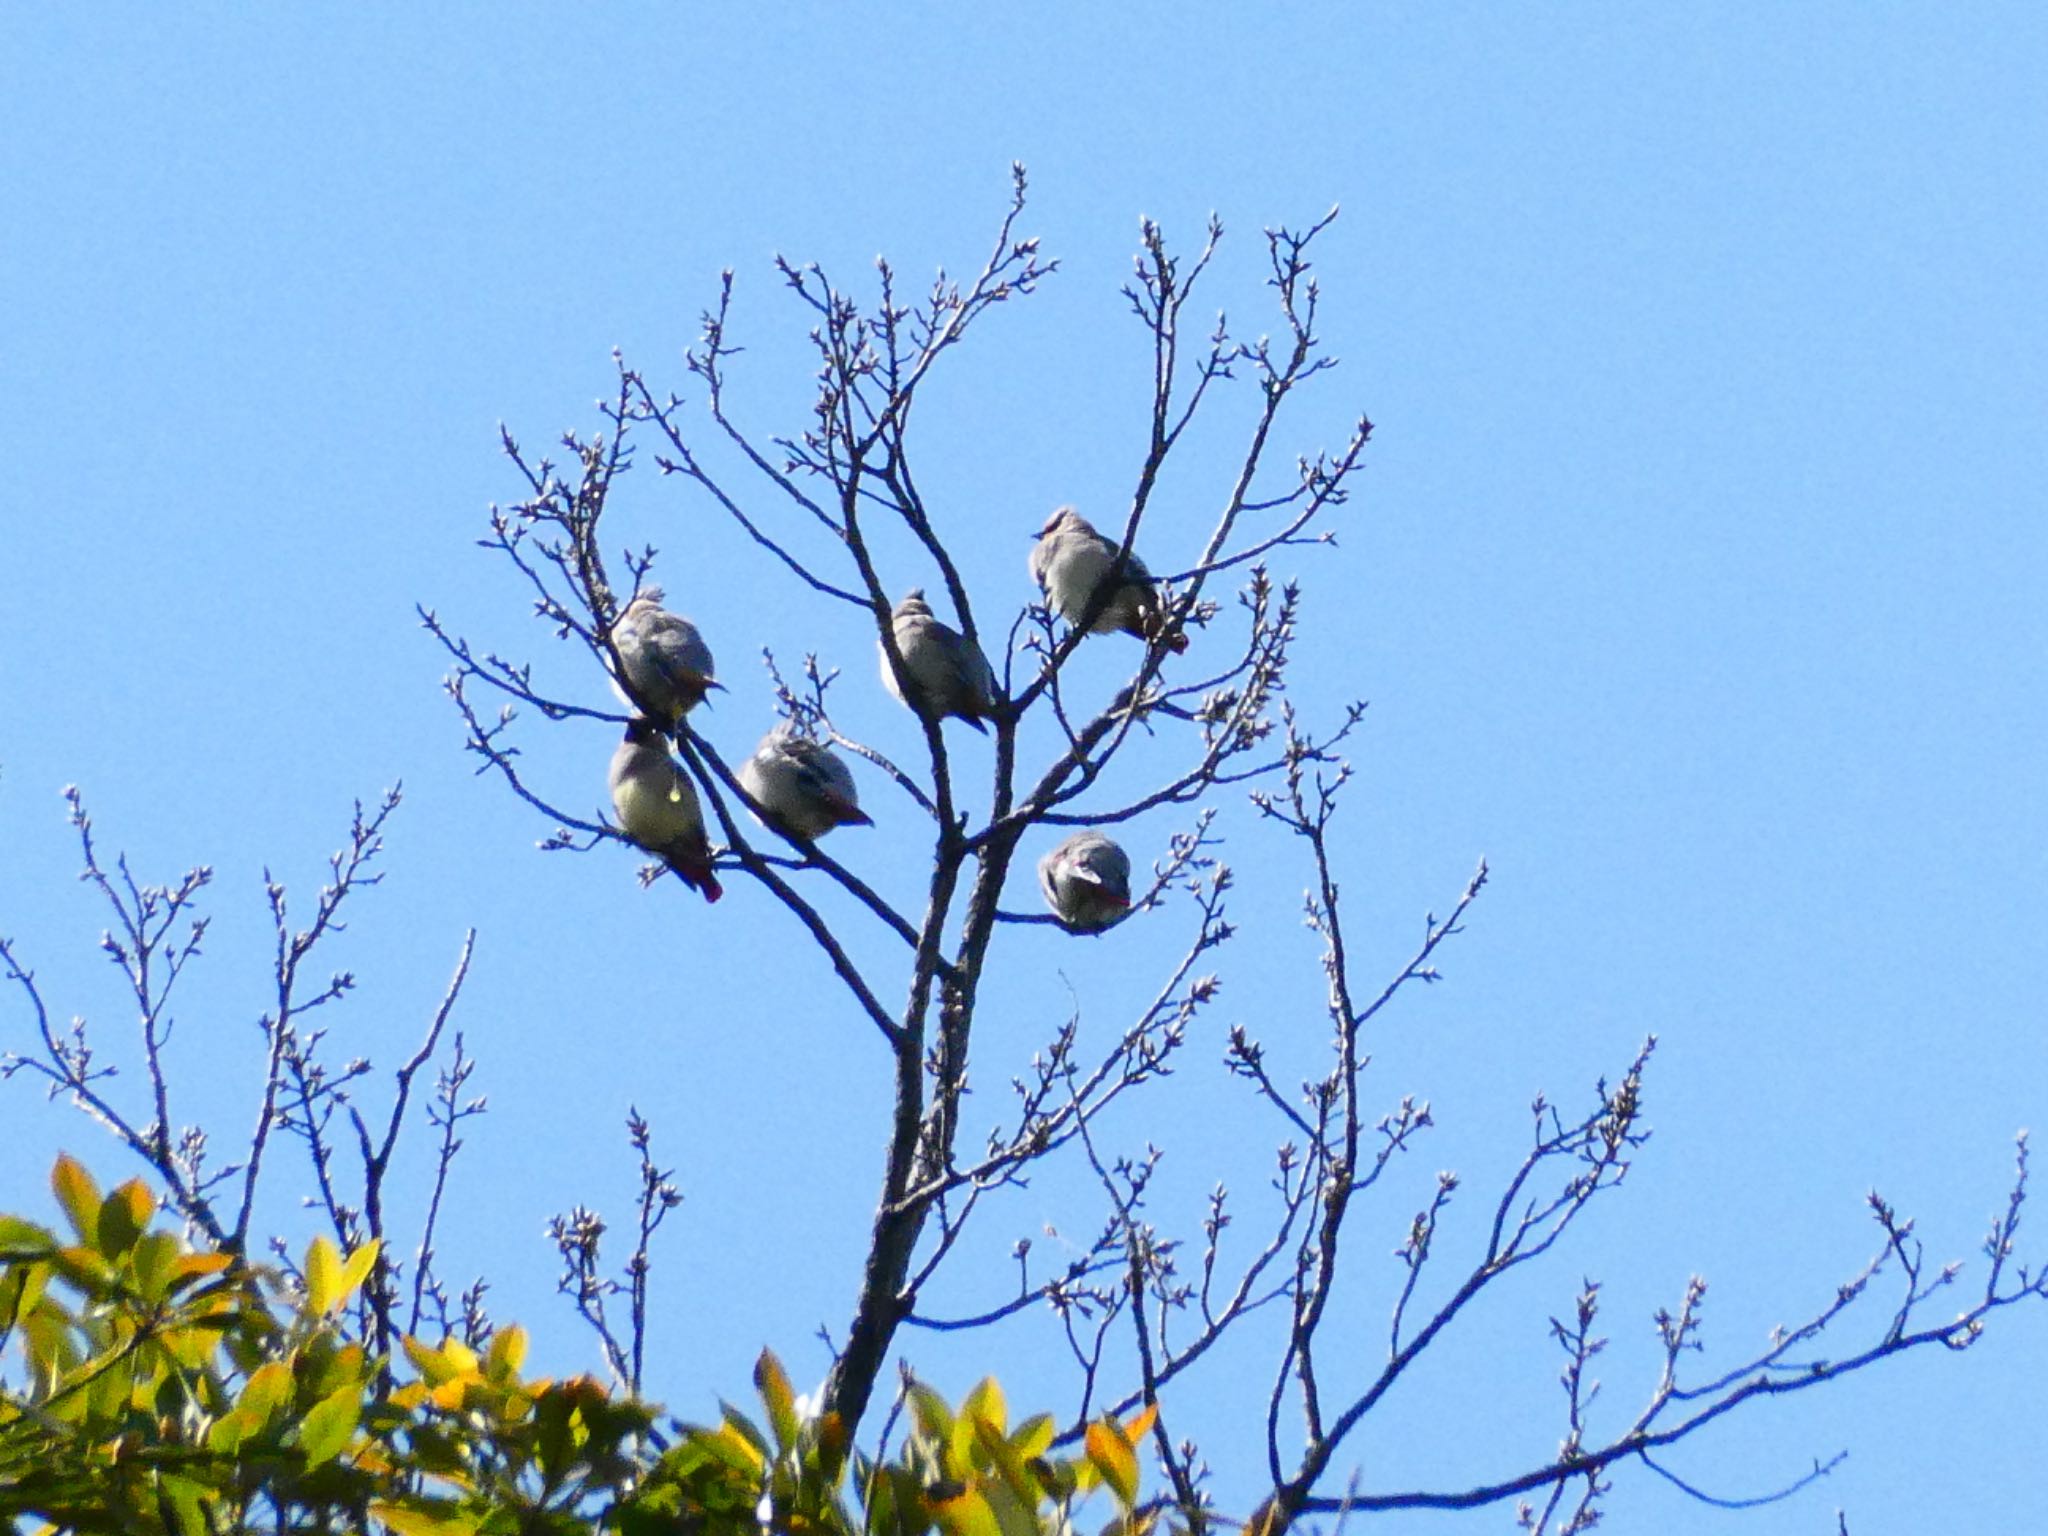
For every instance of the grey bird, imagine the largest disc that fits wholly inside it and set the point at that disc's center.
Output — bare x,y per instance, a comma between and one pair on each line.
1071,561
802,784
667,665
945,671
657,806
1087,882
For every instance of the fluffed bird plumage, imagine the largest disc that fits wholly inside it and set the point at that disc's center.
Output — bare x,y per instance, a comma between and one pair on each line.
667,666
657,806
1087,882
1070,562
803,785
945,672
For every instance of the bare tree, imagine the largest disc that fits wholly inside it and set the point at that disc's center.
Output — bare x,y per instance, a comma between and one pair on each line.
814,502
828,505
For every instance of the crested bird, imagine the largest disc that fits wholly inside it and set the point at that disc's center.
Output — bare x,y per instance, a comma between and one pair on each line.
1071,561
945,672
1087,882
802,784
657,806
667,665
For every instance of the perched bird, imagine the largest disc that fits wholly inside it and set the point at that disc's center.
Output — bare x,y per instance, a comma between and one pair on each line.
657,806
802,784
1070,562
946,672
1087,882
667,664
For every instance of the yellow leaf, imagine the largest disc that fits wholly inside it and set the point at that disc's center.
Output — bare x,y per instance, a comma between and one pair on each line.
424,1522
508,1353
79,1196
986,1402
357,1269
1034,1436
323,1277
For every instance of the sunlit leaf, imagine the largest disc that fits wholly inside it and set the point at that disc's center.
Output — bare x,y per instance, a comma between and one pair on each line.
329,1424
357,1269
773,1384
322,1270
508,1353
986,1402
124,1217
1034,1435
424,1518
79,1196
962,1511
1110,1453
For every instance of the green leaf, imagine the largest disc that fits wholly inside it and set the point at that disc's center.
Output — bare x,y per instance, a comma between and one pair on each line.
773,1384
329,1425
425,1517
79,1196
124,1218
21,1240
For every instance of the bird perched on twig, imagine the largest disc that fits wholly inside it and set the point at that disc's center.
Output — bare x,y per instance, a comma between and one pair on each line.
657,806
1071,561
1087,882
945,672
802,784
666,663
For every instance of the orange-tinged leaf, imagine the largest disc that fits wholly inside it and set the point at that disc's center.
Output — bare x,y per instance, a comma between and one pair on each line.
963,1511
1110,1453
772,1382
124,1217
79,1196
84,1268
1141,1426
322,1270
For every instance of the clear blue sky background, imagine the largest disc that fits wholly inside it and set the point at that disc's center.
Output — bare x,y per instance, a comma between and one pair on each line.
1696,579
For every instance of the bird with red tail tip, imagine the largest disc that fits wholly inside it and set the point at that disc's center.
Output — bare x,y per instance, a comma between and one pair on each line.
667,666
802,784
657,806
1087,882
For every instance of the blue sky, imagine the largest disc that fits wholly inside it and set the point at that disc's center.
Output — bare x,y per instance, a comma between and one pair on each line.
1695,578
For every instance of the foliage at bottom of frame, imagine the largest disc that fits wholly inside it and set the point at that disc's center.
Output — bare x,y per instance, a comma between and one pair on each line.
151,1387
